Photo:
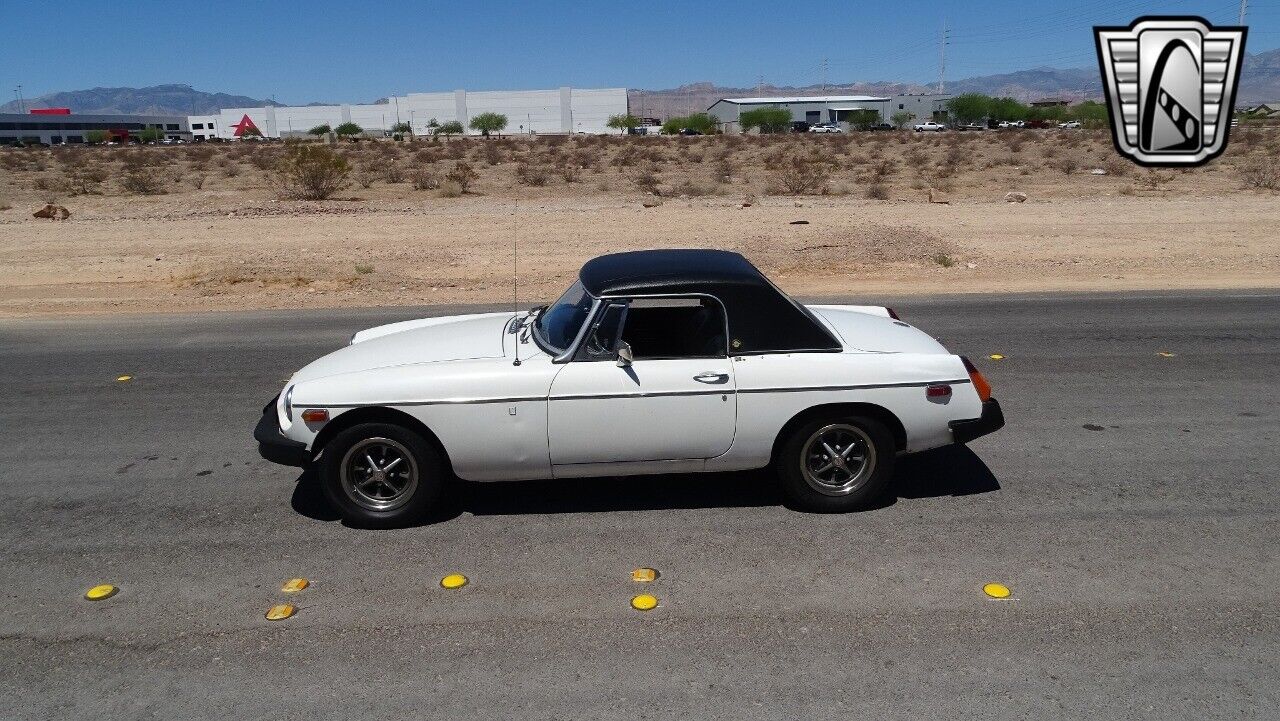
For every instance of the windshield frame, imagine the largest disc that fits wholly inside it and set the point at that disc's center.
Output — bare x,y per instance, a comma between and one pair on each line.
559,355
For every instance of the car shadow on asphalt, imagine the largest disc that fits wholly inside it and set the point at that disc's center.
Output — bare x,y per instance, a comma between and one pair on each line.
948,471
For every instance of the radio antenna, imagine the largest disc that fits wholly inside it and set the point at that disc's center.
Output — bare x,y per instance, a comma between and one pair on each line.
515,276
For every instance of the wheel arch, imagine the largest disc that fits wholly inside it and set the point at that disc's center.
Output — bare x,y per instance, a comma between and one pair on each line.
871,410
377,414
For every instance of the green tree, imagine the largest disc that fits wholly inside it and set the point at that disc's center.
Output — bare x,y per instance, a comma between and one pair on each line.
1007,109
150,135
452,127
349,130
322,129
623,123
700,122
863,119
96,137
901,119
489,123
1090,113
970,107
402,127
768,119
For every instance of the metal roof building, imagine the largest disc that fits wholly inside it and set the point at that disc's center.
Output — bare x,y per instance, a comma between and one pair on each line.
814,109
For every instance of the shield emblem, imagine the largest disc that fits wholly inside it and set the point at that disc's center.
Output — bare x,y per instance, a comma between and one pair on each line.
1170,84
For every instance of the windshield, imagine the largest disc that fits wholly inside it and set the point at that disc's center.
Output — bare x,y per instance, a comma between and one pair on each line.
558,325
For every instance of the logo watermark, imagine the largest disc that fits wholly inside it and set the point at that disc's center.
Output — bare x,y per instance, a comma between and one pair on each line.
1171,86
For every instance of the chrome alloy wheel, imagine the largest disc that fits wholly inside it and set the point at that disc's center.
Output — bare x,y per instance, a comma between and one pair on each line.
838,459
379,474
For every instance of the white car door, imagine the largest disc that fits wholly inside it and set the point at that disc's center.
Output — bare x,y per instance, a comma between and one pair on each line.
675,401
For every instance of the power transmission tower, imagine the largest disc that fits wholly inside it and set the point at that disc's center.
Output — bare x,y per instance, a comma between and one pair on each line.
943,40
824,76
22,103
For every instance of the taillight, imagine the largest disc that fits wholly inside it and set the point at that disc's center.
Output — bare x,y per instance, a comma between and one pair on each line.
980,384
893,313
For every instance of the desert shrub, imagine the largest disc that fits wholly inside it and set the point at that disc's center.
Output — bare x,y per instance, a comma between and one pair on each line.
1261,172
532,173
1154,179
364,176
84,178
569,171
311,172
693,189
263,160
1116,166
393,173
647,180
878,191
142,181
231,170
450,189
1067,164
798,175
423,179
462,175
197,180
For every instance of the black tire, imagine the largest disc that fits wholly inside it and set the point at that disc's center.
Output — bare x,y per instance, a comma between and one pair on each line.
867,436
379,504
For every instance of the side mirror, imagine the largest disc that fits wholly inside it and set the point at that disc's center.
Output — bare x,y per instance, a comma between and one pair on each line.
624,354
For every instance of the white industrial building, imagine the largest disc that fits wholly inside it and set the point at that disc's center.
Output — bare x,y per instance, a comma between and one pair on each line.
814,109
560,111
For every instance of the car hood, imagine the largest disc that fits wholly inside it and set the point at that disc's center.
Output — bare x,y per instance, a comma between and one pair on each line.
428,340
868,328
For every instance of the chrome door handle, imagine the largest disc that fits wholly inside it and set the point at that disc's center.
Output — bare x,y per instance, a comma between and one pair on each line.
711,377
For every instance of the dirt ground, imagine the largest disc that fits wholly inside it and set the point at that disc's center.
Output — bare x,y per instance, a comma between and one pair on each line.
232,244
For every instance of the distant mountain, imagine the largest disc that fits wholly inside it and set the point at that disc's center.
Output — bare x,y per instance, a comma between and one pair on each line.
157,99
1259,82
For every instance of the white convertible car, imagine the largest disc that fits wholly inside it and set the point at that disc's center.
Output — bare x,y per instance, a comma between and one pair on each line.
662,361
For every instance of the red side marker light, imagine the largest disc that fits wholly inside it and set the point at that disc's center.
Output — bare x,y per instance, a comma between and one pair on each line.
940,390
315,415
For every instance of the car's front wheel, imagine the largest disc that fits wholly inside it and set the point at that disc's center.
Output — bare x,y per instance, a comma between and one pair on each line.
836,464
381,475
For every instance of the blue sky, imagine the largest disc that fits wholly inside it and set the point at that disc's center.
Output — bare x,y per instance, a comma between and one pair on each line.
324,50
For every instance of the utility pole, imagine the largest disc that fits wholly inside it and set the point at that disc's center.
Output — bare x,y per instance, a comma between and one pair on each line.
1244,5
824,76
943,40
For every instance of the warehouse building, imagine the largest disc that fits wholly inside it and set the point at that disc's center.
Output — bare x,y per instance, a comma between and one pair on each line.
57,128
560,111
829,108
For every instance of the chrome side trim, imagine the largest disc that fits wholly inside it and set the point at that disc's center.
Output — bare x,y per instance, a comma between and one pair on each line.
656,394
859,387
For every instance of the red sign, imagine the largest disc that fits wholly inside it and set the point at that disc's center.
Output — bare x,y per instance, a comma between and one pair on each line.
245,124
51,111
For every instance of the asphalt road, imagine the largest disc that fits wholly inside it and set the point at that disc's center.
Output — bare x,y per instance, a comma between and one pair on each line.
1131,505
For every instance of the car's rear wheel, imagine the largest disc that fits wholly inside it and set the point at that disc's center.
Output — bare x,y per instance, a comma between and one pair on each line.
381,475
836,463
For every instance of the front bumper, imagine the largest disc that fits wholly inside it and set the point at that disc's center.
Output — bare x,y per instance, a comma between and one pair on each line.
273,446
992,420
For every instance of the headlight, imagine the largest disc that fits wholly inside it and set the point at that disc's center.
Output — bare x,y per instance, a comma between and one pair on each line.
288,403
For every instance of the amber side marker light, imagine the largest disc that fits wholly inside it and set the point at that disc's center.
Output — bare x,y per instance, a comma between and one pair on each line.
315,415
980,384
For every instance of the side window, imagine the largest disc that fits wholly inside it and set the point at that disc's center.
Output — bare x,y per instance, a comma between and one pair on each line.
675,328
602,338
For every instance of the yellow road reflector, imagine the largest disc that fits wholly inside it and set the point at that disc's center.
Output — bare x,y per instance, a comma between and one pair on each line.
996,590
280,612
294,585
101,592
1165,354
454,580
122,379
644,602
644,575
996,356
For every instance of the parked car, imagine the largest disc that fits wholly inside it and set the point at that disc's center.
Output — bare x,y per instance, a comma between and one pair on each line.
929,126
799,126
1011,124
660,361
825,128
1070,125
971,126
689,131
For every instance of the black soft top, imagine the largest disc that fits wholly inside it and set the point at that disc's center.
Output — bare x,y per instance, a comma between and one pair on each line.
762,319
